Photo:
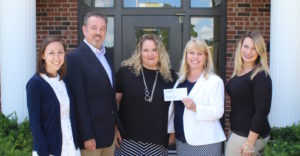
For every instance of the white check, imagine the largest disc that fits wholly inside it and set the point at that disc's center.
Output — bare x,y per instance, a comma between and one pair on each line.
175,94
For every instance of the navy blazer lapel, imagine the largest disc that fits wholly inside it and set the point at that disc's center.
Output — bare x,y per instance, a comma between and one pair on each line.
49,87
109,59
93,58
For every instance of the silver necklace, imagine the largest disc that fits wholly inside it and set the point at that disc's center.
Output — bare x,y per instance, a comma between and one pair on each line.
147,96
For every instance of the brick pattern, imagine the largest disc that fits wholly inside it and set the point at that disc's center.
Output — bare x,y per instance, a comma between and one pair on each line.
57,18
242,16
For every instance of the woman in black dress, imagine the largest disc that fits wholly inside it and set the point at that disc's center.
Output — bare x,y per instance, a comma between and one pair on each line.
143,111
250,90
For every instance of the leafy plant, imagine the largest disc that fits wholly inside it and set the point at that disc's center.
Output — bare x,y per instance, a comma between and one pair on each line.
284,142
15,139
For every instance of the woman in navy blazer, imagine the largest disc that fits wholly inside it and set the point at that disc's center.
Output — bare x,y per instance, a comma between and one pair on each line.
50,105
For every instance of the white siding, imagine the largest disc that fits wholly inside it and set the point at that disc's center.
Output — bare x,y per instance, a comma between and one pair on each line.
18,53
285,62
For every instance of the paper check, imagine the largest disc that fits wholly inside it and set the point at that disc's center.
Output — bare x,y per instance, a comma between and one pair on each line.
175,94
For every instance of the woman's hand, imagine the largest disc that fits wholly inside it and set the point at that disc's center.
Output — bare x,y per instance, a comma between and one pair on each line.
248,147
118,137
189,104
247,150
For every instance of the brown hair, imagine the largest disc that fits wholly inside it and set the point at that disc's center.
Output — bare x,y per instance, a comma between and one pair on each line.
94,14
41,65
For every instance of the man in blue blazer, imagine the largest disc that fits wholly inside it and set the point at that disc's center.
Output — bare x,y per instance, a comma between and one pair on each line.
90,75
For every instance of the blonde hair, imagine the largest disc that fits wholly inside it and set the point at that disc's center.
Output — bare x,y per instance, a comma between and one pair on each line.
200,45
135,61
261,63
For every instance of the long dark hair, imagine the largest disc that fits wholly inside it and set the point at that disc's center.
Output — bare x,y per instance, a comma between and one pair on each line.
41,65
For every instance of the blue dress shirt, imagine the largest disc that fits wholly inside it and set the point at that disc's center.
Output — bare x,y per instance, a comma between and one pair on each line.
100,55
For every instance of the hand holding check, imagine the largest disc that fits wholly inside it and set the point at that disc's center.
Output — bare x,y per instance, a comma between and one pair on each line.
175,94
180,94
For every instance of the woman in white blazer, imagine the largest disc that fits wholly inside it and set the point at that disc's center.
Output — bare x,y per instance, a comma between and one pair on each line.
195,119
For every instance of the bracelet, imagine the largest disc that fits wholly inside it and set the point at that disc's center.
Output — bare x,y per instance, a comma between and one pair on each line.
248,148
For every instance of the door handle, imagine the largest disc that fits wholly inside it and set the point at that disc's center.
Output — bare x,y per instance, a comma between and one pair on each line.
180,16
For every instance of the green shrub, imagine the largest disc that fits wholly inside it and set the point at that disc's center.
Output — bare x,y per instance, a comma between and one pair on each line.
15,139
284,141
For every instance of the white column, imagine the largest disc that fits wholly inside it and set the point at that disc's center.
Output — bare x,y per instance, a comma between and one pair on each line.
18,53
285,62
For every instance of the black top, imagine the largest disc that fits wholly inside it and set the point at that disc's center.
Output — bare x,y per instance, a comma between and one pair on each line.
179,109
250,103
143,121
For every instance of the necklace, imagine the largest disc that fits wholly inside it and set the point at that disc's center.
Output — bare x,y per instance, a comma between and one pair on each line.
147,96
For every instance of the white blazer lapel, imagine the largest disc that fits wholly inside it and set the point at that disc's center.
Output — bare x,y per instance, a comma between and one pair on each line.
197,86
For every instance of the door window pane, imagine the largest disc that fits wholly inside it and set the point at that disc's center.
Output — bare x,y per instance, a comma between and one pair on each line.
87,2
104,3
202,28
208,29
163,33
152,3
109,39
205,3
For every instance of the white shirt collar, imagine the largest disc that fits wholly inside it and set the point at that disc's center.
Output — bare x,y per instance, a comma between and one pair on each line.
94,49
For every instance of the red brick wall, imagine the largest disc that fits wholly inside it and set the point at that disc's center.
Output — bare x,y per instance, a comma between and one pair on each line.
57,17
243,15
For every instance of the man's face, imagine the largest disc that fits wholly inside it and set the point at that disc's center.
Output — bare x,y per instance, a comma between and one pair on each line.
95,31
